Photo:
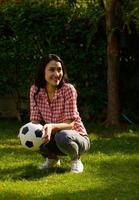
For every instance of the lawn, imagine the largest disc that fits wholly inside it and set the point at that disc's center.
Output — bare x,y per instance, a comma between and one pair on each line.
111,168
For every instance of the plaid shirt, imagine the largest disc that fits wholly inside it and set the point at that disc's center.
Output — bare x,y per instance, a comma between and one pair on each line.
63,107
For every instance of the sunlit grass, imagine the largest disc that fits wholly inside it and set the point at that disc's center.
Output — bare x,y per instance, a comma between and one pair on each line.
111,168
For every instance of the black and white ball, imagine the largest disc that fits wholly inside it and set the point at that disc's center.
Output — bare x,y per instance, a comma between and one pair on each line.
30,136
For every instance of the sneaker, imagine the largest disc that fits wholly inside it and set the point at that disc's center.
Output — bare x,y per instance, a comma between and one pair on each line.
77,166
49,163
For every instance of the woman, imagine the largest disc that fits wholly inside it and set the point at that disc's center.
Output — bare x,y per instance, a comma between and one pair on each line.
54,101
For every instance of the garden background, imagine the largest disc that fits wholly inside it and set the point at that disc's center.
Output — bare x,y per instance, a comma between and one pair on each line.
75,30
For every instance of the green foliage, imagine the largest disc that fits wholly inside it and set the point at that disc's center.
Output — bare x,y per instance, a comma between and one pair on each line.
30,30
128,11
129,57
75,30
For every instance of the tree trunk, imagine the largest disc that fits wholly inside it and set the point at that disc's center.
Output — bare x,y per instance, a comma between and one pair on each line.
112,64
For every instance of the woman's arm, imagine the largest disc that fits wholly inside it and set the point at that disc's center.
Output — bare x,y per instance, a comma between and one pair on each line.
49,129
68,124
35,122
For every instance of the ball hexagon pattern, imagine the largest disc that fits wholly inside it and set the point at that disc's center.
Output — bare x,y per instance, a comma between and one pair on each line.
29,144
25,130
30,136
38,133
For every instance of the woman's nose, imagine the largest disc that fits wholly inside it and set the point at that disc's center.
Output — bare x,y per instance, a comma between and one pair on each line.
56,73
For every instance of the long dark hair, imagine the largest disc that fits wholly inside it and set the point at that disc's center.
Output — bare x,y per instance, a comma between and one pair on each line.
40,81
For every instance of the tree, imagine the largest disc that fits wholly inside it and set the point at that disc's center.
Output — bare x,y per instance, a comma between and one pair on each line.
112,63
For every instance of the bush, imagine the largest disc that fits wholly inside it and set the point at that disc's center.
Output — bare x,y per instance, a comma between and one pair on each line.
31,30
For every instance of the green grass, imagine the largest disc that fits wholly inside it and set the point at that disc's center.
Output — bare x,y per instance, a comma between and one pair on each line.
111,168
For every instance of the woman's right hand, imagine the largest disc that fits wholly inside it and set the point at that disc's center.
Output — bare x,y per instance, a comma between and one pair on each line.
47,131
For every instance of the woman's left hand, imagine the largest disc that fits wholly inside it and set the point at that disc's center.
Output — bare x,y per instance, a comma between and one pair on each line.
47,131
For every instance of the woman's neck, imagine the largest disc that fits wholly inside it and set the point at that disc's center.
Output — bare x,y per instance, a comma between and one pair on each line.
50,89
50,92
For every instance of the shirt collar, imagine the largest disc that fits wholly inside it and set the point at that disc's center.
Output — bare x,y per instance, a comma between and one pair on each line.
57,94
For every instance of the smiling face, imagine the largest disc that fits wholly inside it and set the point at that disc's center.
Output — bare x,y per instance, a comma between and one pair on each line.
53,73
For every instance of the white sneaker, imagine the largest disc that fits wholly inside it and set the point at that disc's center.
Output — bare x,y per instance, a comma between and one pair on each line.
49,163
77,166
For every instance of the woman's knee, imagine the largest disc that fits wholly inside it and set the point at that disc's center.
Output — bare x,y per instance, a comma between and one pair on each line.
61,138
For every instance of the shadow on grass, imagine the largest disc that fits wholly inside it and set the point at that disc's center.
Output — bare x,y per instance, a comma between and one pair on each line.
28,172
88,194
107,145
118,180
112,145
115,183
24,171
110,132
16,153
121,144
104,145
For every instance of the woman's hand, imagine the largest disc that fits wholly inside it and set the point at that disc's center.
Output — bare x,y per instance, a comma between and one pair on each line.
47,131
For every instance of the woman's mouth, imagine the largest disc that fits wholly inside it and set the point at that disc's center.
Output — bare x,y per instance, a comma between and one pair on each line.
56,79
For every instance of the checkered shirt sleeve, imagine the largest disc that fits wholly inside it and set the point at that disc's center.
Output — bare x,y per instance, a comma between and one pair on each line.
70,103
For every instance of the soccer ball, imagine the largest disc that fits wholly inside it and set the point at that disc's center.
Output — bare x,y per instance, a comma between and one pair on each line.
30,136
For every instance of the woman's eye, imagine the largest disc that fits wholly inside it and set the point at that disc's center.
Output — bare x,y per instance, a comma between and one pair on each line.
52,69
59,69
